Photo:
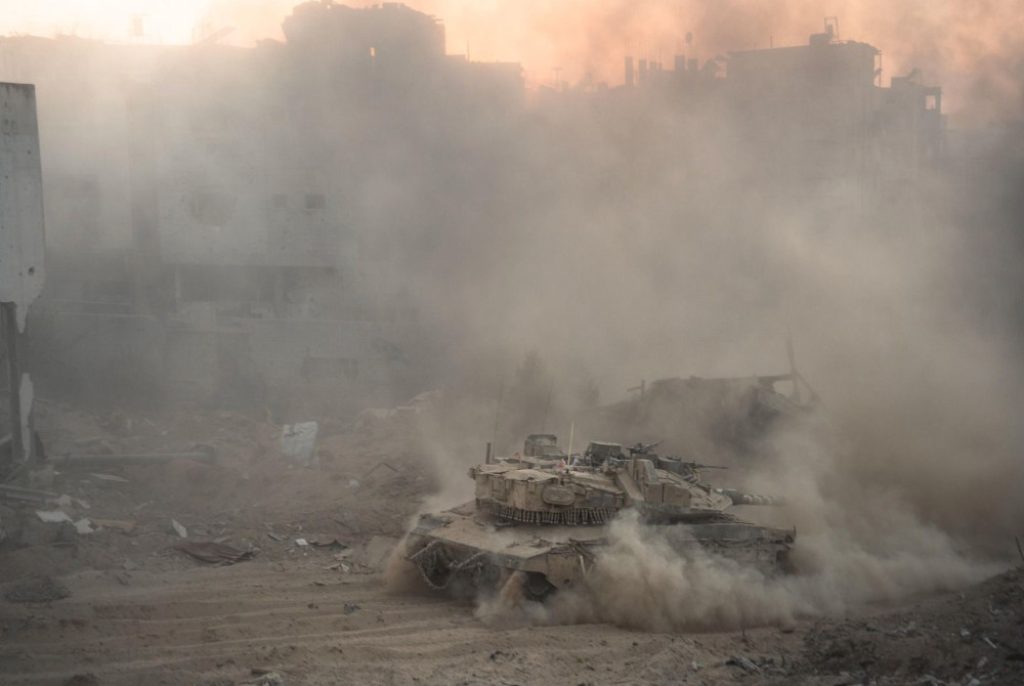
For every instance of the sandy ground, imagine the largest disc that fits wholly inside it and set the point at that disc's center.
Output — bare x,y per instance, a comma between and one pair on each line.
228,625
215,625
138,611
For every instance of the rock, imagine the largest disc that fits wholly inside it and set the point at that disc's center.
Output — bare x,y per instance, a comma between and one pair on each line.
39,590
744,663
88,679
266,679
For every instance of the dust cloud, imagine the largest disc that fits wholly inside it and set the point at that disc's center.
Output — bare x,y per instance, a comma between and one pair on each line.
853,550
550,249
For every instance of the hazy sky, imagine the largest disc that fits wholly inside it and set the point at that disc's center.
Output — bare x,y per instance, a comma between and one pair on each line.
971,47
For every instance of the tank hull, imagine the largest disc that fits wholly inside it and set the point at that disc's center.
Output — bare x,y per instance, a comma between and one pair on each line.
466,547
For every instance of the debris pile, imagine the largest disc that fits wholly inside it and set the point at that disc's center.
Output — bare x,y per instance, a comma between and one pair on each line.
194,486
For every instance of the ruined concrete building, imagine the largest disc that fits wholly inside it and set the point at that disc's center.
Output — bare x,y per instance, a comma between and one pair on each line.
224,220
815,117
252,223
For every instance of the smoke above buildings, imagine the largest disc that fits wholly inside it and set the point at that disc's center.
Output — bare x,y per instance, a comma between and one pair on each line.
970,47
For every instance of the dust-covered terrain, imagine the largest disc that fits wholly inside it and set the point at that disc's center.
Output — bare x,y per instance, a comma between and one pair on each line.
125,605
782,248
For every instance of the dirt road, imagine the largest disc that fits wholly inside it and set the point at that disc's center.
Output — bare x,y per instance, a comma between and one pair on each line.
228,625
215,625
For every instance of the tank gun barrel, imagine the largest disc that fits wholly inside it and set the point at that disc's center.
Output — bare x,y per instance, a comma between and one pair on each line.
741,498
698,465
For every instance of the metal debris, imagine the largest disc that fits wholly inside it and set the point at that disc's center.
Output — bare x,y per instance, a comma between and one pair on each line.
125,526
264,678
214,553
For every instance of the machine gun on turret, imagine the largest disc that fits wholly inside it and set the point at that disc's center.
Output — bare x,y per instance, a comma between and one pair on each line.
643,448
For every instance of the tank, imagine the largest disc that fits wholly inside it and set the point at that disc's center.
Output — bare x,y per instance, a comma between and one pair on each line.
542,515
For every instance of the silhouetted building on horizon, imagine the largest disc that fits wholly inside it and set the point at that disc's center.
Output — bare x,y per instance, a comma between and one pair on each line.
254,218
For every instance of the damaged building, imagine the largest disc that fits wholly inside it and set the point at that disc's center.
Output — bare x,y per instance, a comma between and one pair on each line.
224,220
815,119
250,224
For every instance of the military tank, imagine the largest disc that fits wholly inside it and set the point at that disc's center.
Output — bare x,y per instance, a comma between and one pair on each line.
542,515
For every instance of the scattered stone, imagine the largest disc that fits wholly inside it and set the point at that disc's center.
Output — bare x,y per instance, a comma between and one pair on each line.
349,608
265,678
745,664
179,529
213,552
40,590
53,516
125,526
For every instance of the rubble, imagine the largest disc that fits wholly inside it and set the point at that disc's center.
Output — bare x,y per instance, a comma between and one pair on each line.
744,663
215,553
11,493
89,461
257,498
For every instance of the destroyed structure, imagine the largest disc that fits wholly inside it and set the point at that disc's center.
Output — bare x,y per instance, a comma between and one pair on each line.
718,419
228,221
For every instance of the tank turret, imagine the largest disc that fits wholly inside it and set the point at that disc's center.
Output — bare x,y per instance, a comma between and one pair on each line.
594,487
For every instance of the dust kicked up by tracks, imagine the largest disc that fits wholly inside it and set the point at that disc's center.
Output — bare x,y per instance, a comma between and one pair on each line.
140,611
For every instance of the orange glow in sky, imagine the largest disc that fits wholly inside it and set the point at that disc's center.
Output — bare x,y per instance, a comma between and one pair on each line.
968,46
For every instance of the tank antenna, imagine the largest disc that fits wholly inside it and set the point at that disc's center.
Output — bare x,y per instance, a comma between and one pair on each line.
572,430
